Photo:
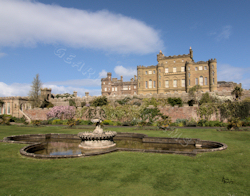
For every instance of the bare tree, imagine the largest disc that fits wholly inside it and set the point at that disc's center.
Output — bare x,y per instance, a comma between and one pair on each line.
35,92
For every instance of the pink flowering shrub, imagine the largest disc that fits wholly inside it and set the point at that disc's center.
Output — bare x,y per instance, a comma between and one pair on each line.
68,112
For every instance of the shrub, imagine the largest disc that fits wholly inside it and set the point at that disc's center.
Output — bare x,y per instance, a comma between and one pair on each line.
117,123
234,123
83,104
51,120
36,122
99,101
137,103
107,122
65,122
175,101
205,99
72,102
57,122
123,101
71,122
86,122
46,104
44,122
191,123
182,122
202,123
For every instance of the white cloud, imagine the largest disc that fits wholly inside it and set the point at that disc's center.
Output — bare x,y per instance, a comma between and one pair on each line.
69,89
27,23
17,89
14,89
2,54
80,82
225,33
229,73
103,74
122,71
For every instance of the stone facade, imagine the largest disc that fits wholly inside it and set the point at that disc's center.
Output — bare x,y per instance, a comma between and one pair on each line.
226,86
177,74
171,74
112,86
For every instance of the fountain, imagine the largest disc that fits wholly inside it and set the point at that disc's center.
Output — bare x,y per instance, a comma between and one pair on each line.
98,139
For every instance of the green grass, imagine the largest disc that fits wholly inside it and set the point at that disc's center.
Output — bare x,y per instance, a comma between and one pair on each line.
128,173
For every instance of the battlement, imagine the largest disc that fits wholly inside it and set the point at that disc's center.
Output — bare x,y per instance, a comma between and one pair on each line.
146,67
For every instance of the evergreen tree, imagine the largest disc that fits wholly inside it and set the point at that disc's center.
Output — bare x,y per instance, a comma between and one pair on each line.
35,92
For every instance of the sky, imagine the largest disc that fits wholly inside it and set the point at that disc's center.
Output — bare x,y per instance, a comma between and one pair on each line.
73,44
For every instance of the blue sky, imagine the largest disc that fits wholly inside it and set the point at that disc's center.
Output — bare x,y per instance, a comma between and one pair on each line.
72,44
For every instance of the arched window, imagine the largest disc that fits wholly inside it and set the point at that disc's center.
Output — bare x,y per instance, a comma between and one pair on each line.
201,80
146,84
150,83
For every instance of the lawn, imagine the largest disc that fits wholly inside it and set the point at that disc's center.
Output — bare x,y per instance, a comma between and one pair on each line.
129,173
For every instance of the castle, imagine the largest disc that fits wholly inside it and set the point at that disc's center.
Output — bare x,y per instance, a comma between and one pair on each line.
171,74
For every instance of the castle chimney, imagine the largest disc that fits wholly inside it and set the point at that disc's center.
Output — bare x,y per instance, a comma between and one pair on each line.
86,94
75,94
135,77
122,78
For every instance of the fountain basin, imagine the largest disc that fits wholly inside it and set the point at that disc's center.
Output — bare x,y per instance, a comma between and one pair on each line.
55,146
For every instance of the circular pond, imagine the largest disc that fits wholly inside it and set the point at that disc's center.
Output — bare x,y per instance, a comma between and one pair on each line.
56,146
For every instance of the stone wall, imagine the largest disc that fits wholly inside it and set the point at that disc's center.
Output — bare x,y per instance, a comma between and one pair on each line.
37,113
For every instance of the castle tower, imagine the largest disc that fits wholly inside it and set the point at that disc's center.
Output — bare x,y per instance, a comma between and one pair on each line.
212,74
45,93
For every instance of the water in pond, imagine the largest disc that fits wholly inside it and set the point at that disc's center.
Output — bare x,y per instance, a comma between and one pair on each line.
70,146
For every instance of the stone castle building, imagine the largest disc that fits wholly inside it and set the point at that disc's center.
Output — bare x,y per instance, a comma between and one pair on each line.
171,74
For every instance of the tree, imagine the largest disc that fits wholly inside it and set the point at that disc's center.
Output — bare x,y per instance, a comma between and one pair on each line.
238,92
35,92
64,112
193,92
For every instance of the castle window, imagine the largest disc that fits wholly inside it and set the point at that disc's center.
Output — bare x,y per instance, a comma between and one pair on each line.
200,67
213,80
201,80
182,69
146,84
154,72
0,110
188,68
103,82
189,75
3,108
205,68
125,88
149,72
205,80
213,73
166,84
183,82
159,71
166,62
159,84
129,88
135,93
175,83
159,77
105,89
150,84
196,81
174,61
139,78
166,70
212,66
146,72
139,85
134,87
189,82
154,84
182,60
174,69
113,89
196,69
